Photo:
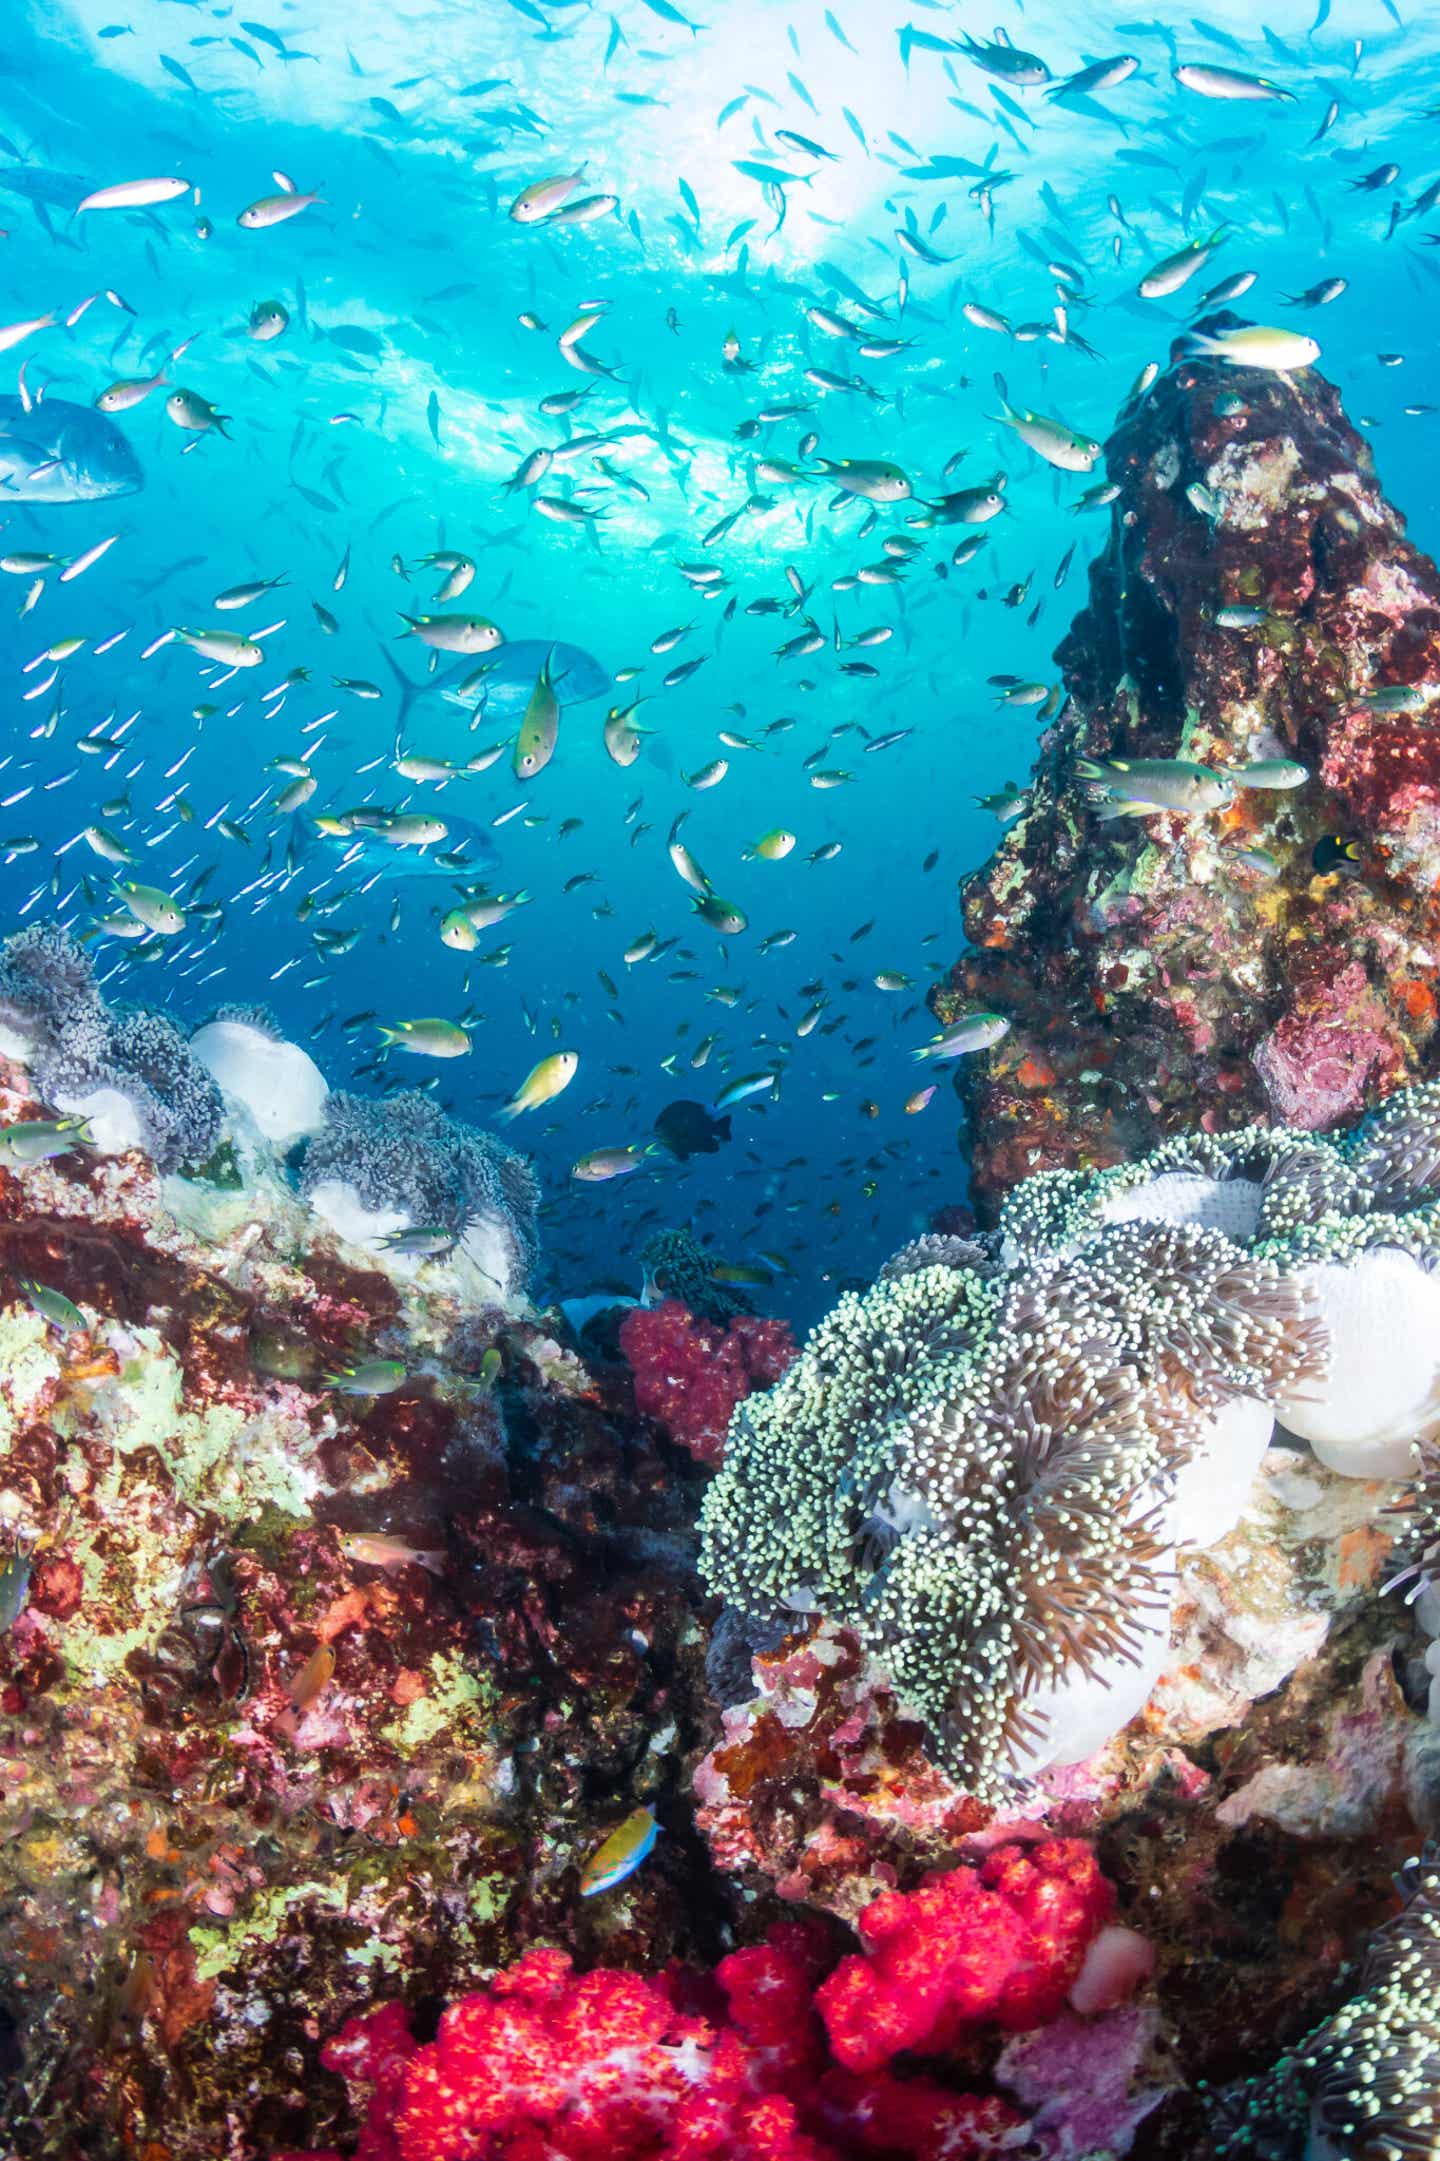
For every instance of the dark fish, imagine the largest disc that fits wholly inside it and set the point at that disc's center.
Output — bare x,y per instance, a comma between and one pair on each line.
62,453
1335,856
687,1129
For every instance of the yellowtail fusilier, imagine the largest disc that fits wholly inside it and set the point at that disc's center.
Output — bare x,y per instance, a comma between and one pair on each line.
749,1084
228,647
603,1164
1256,345
153,907
464,634
1053,440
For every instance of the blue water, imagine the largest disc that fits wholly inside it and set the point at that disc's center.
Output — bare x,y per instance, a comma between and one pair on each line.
386,420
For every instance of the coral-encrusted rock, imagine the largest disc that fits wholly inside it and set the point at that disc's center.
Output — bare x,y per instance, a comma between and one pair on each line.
1153,976
313,1696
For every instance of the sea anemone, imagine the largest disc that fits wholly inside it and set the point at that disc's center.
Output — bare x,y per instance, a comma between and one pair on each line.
985,1475
1397,1149
678,1266
377,1167
135,1081
1381,1387
1373,2071
47,985
939,1249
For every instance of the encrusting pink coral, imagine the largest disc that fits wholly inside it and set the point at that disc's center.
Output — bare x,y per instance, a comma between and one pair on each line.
689,1374
545,2064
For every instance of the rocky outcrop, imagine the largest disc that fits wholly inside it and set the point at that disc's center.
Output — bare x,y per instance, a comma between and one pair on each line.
1162,972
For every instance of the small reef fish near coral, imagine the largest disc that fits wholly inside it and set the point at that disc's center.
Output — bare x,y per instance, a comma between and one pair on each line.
719,1082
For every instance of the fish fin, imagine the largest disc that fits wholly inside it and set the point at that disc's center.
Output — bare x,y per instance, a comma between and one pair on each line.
409,690
722,1126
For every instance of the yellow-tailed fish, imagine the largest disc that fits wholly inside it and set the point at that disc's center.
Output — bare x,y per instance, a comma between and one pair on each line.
543,1083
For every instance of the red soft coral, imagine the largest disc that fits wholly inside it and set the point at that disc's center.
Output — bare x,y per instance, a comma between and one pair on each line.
544,2064
689,1374
1000,1942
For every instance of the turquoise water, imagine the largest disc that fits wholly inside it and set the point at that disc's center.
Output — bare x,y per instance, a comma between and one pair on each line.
385,421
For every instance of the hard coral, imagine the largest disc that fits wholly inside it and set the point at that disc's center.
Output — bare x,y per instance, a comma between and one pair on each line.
1002,1942
689,1375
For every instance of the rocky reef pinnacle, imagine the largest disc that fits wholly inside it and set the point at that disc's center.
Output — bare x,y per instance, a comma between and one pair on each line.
1273,961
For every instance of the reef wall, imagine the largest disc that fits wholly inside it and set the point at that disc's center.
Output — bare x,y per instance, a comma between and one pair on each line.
1257,601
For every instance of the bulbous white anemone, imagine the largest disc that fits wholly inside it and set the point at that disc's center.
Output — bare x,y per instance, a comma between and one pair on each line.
1231,1205
1381,1389
112,1117
337,1203
1211,1489
1081,1711
16,1042
279,1084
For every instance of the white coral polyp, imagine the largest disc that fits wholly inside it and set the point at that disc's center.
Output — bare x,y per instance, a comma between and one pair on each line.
1082,1711
113,1121
1381,1391
1214,1485
1231,1205
279,1084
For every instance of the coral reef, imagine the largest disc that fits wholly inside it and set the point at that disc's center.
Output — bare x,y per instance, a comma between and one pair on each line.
344,1610
689,1374
1163,970
300,1690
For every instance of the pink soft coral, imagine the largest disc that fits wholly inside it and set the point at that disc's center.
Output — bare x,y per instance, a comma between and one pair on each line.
1001,1942
689,1374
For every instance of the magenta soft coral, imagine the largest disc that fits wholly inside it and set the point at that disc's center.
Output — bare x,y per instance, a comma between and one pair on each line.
763,2061
1003,1942
689,1374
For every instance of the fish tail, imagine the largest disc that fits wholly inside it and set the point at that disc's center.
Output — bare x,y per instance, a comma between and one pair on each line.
409,691
388,1037
1088,769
